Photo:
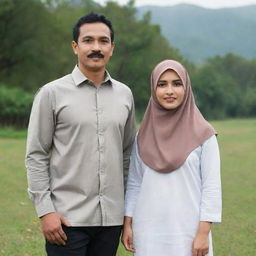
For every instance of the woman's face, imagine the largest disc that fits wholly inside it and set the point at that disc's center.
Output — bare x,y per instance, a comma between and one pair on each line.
170,90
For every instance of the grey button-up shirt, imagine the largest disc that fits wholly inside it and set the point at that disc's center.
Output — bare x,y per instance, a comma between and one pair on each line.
78,149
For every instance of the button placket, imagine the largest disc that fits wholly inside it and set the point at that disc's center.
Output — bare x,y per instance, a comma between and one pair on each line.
101,142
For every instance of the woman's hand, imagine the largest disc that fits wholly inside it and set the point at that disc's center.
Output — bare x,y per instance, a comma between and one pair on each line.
200,246
127,236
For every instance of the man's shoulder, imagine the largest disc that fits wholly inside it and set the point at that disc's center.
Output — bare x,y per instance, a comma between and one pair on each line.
53,87
62,81
121,86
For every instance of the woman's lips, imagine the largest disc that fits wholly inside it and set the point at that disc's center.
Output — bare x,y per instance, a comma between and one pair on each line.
170,99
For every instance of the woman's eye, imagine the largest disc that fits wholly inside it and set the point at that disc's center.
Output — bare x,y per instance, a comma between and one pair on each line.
178,84
161,85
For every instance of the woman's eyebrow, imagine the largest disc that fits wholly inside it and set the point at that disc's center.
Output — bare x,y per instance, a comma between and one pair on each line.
177,80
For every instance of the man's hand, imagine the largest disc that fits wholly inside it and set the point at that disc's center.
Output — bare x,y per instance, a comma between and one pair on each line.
52,230
127,235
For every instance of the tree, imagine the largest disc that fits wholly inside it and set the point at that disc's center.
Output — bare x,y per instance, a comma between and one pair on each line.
225,87
25,43
139,47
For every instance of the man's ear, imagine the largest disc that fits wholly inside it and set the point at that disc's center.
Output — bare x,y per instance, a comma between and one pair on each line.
74,46
113,47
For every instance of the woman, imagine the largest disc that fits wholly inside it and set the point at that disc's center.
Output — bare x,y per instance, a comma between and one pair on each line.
174,189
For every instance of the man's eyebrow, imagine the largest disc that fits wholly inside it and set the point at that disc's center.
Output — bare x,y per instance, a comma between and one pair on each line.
104,37
86,37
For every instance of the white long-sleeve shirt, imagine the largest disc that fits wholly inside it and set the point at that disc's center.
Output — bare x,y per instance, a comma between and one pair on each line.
167,208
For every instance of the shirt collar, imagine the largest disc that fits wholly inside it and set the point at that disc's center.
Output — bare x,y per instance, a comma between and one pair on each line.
79,77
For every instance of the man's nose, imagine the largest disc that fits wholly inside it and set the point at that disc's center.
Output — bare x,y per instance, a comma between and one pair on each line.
96,46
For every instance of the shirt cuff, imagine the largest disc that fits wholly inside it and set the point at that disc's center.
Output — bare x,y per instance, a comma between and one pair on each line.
128,212
44,207
211,218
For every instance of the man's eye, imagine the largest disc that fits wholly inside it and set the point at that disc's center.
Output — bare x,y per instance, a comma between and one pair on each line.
87,40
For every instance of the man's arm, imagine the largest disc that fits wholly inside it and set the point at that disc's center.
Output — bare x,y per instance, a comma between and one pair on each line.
39,144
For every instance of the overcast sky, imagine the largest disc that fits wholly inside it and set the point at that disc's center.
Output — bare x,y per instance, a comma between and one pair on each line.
204,3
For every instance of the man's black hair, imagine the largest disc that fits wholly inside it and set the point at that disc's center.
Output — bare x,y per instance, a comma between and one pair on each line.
92,18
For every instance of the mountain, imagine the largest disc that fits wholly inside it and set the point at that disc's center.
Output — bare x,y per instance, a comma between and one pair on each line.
200,33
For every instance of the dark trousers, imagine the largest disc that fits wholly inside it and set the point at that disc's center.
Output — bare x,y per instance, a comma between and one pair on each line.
87,241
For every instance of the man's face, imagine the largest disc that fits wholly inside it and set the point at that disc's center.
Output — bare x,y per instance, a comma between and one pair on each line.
93,47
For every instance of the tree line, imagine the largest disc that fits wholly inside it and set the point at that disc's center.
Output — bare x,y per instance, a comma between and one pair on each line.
36,48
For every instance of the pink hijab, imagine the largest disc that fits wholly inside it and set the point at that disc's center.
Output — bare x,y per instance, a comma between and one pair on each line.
167,137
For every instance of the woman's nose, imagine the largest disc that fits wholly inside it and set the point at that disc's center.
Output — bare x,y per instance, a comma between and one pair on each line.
169,89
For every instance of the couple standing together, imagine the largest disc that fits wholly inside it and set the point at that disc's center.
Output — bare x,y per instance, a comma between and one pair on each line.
82,148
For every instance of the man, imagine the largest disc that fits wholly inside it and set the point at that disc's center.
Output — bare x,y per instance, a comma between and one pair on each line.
79,140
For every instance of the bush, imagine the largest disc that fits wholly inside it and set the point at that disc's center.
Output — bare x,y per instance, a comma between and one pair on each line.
15,106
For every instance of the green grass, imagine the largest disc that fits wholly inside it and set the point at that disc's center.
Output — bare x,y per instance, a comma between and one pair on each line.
9,132
236,236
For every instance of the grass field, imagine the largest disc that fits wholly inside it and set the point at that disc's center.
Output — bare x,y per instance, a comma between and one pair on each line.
236,236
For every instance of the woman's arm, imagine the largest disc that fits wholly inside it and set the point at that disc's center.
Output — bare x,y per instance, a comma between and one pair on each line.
132,192
211,203
210,208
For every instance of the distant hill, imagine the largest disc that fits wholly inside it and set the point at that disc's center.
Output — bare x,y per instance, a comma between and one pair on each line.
200,33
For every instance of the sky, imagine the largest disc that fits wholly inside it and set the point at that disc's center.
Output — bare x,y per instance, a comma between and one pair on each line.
204,3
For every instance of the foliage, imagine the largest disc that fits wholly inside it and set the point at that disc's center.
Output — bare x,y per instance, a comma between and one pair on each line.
15,106
28,56
43,51
226,87
139,46
35,49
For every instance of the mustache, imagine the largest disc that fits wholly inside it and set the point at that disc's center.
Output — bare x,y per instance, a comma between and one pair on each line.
95,54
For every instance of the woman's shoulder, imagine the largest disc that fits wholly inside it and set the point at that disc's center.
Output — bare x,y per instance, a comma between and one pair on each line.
212,140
